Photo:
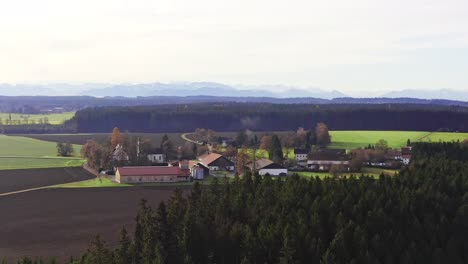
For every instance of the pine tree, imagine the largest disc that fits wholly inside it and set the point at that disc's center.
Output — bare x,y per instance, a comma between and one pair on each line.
98,253
123,253
275,150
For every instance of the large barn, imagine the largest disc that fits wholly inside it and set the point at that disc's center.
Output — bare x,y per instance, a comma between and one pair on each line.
268,167
216,162
147,174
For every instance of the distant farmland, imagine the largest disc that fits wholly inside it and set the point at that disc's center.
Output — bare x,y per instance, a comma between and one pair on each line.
22,119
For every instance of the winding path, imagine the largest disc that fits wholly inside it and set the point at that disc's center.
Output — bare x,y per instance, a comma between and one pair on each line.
184,137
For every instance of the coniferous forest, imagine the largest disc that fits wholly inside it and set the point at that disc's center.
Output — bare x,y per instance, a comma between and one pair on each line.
228,117
419,216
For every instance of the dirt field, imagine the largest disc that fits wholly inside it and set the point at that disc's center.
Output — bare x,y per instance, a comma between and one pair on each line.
15,180
60,222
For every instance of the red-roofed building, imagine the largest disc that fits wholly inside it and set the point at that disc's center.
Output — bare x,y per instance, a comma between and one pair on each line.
147,174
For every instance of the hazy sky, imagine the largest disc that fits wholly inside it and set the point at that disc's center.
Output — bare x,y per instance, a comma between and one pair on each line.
352,46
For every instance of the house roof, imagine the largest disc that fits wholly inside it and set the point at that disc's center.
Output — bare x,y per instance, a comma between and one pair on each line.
209,158
265,163
151,171
155,151
301,151
118,150
328,154
195,163
406,150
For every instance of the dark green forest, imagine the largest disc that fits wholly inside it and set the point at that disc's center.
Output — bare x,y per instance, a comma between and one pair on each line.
228,117
271,117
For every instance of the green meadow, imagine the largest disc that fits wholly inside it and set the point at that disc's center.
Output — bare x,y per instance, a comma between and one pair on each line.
445,137
356,139
53,119
27,153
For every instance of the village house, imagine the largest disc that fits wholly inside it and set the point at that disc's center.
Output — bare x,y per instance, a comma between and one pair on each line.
301,154
267,167
151,174
198,171
406,153
216,162
118,154
324,159
156,155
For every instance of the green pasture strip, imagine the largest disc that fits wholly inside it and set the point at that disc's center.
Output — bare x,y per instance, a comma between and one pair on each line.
445,137
323,175
10,163
357,139
29,147
54,119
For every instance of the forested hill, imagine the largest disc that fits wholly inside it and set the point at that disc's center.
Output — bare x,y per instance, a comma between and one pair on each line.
271,117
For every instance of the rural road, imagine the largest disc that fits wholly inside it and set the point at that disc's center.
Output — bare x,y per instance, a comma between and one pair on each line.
184,137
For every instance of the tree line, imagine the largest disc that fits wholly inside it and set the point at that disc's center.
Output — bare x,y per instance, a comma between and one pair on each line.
258,117
270,117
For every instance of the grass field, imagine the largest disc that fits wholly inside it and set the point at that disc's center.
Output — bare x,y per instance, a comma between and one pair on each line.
106,182
26,153
373,172
54,119
445,137
28,147
357,139
93,183
36,163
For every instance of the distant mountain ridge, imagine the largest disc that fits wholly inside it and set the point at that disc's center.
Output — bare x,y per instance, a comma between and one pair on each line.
188,89
447,94
209,89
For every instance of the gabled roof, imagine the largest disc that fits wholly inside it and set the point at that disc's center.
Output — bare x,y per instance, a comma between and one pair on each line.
209,158
328,154
301,151
155,151
406,150
196,163
151,171
265,164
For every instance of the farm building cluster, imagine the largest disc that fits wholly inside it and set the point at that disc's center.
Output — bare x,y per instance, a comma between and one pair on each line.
203,158
324,159
185,170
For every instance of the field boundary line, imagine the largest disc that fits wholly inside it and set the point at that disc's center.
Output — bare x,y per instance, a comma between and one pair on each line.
37,188
423,137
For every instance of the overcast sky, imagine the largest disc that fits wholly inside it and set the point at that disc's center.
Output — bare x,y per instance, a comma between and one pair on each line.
354,46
